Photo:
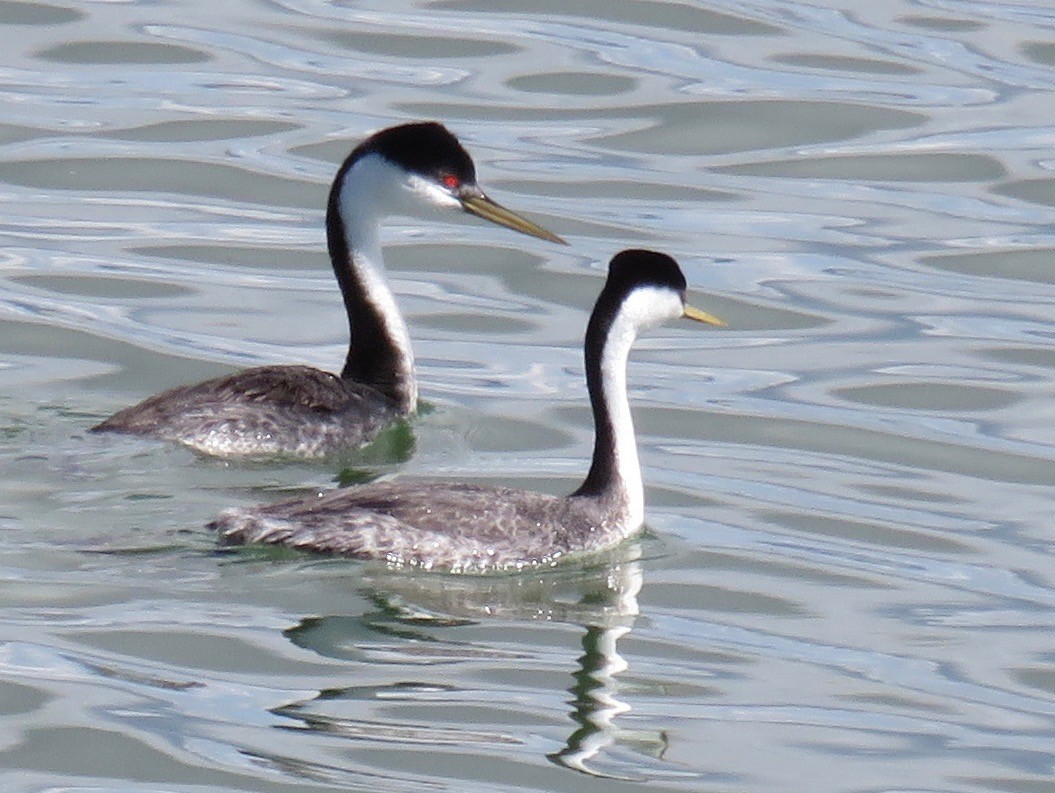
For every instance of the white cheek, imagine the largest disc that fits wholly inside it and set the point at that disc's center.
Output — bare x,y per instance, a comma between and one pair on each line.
423,191
374,187
649,306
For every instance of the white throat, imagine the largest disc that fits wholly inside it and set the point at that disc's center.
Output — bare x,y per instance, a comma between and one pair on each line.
643,308
369,193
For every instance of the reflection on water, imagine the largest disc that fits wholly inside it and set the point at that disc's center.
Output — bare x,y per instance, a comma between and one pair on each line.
597,705
848,581
412,612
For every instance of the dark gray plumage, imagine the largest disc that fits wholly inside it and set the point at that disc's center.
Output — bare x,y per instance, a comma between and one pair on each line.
270,410
472,528
459,527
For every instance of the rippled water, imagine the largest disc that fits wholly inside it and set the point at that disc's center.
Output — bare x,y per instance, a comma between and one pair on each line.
847,580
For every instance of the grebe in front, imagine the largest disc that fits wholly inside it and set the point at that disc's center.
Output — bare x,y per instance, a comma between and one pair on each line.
300,411
472,528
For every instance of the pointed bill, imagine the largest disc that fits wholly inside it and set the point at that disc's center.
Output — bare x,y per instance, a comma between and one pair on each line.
482,206
702,316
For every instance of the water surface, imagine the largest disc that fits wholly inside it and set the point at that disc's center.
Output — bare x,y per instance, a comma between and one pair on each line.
845,584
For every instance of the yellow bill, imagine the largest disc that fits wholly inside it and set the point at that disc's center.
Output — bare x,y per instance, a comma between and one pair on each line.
482,206
702,316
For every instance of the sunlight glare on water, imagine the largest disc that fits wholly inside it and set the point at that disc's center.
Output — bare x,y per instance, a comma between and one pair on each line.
845,584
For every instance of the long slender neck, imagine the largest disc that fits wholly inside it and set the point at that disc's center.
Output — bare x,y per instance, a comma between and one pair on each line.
615,473
379,352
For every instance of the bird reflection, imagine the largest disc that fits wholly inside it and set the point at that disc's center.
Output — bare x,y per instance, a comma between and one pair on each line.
595,699
601,598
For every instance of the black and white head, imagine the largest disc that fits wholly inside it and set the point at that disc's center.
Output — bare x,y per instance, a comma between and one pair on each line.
413,169
645,288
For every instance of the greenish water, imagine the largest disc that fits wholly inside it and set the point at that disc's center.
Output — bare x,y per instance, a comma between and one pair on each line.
845,584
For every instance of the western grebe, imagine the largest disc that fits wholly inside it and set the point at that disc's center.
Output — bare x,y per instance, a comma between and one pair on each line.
472,528
305,412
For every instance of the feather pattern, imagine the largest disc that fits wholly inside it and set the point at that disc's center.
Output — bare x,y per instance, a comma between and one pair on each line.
459,527
269,410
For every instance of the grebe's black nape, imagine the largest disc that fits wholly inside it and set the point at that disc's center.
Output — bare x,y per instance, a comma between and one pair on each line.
304,412
470,528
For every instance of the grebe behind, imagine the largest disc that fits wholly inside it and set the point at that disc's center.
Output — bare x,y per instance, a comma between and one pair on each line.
300,411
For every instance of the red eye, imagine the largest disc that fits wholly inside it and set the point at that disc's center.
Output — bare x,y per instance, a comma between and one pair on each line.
451,182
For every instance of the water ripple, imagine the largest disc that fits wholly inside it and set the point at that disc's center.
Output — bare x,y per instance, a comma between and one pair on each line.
846,573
